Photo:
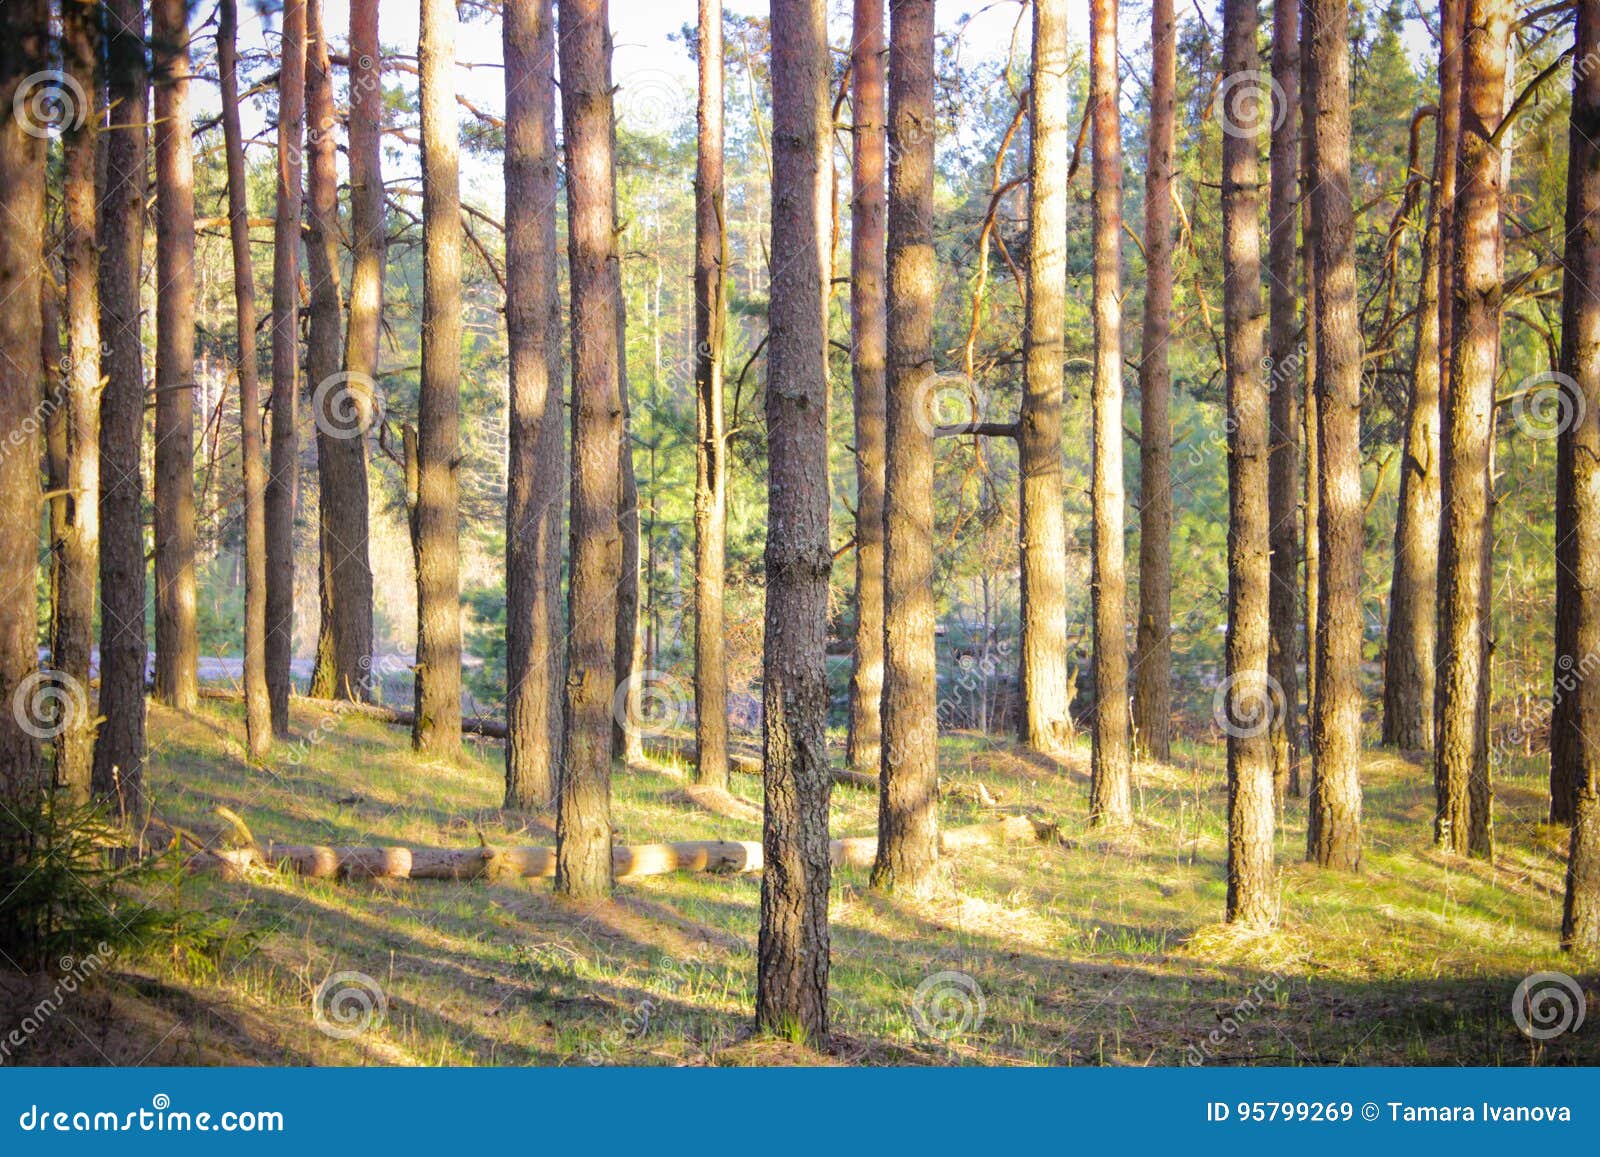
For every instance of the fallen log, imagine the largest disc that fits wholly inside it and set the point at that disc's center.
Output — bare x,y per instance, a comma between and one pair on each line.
471,724
627,861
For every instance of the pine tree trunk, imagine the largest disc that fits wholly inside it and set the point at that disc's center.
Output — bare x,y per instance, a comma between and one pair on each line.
1580,359
868,305
1286,356
1152,668
1045,725
1110,788
258,713
536,484
24,51
1462,821
793,956
1308,267
628,722
908,796
283,478
177,643
1249,703
583,815
119,753
435,517
1334,827
341,405
78,552
711,467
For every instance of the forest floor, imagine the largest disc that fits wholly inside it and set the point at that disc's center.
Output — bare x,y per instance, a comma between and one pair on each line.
1103,948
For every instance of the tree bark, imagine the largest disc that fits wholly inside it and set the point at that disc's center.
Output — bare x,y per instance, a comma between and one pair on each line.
792,965
583,815
24,51
283,479
1286,356
78,543
1111,774
1580,358
1152,668
711,467
908,797
1249,702
536,483
1313,471
627,734
435,532
1462,821
1334,825
868,306
177,682
1045,695
119,754
342,403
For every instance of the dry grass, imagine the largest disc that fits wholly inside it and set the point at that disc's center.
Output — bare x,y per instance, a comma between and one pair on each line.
1103,949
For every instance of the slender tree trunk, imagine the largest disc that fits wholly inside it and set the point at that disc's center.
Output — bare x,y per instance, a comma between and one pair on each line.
583,817
1110,789
177,643
711,467
341,404
1045,724
868,306
537,470
908,833
24,52
1249,703
1413,592
793,958
119,754
1152,668
435,531
1286,354
1462,821
1334,829
1312,519
258,712
1580,359
78,552
283,479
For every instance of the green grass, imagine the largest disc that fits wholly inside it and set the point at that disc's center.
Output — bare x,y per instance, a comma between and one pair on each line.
1106,948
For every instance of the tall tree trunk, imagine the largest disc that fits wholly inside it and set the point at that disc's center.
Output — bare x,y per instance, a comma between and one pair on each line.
78,550
1580,360
1286,355
1334,827
868,306
1110,789
177,641
435,531
24,52
1045,696
1249,703
119,753
1413,592
1152,668
536,484
792,966
583,816
341,404
711,467
1308,269
1462,821
908,836
258,712
283,479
